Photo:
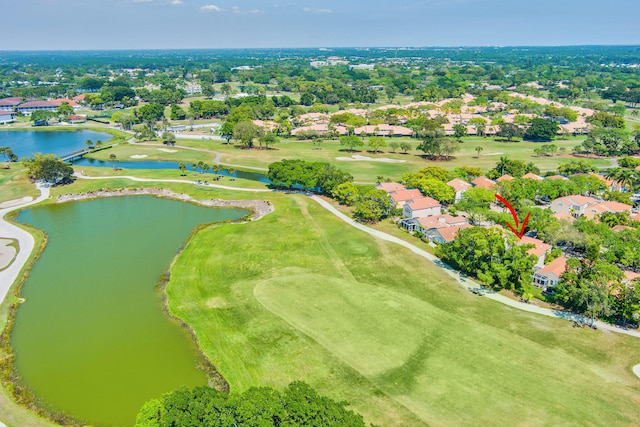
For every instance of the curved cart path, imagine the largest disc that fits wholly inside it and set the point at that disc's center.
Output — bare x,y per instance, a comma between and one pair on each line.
466,282
25,244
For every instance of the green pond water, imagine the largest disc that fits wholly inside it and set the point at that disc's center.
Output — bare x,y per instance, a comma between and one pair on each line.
92,339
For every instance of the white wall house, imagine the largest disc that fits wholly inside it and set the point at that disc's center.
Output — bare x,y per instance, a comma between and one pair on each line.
421,207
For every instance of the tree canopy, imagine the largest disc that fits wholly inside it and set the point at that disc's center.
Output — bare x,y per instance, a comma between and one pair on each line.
541,130
297,405
302,175
48,168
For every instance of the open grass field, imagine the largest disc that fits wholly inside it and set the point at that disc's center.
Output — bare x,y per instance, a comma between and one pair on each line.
124,152
301,295
190,175
368,171
15,183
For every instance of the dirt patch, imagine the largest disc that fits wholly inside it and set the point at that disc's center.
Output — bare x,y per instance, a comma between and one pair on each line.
359,158
259,208
7,253
636,370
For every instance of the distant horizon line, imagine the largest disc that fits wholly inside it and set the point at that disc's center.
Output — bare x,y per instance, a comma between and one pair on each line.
318,48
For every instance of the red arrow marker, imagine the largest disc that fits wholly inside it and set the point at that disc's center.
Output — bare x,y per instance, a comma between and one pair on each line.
515,217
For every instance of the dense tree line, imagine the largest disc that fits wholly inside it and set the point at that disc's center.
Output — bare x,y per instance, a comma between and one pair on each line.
302,175
297,405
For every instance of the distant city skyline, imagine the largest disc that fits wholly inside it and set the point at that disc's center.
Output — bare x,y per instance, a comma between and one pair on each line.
176,24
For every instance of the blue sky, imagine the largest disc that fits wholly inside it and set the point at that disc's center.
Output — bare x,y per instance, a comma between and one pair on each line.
120,24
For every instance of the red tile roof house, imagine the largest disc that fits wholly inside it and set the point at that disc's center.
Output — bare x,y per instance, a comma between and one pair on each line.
560,177
505,177
384,130
10,103
532,176
422,207
459,186
321,129
400,198
608,206
7,117
484,182
73,119
71,102
446,235
540,249
31,106
611,184
429,225
390,187
426,225
574,205
549,275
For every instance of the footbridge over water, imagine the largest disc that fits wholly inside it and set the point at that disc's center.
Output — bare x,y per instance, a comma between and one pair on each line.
80,154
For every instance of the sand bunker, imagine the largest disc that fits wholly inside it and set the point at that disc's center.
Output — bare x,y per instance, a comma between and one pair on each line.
16,202
358,158
138,156
166,150
7,253
493,154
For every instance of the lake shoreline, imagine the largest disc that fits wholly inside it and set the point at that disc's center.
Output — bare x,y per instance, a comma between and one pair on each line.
22,394
259,208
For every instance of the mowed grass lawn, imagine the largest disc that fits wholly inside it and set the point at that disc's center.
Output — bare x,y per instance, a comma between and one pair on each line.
368,171
124,152
160,174
15,183
300,295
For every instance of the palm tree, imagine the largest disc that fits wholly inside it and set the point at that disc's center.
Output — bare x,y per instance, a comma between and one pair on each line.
89,143
502,164
205,168
182,167
478,149
194,166
626,178
113,158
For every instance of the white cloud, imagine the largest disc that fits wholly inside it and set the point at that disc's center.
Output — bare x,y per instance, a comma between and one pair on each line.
141,1
314,10
176,2
236,9
283,5
211,8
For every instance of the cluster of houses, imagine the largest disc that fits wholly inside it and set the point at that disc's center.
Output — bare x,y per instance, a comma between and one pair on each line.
9,107
424,215
465,115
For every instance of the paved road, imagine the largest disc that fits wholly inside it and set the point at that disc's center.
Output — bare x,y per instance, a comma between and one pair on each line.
466,282
25,242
